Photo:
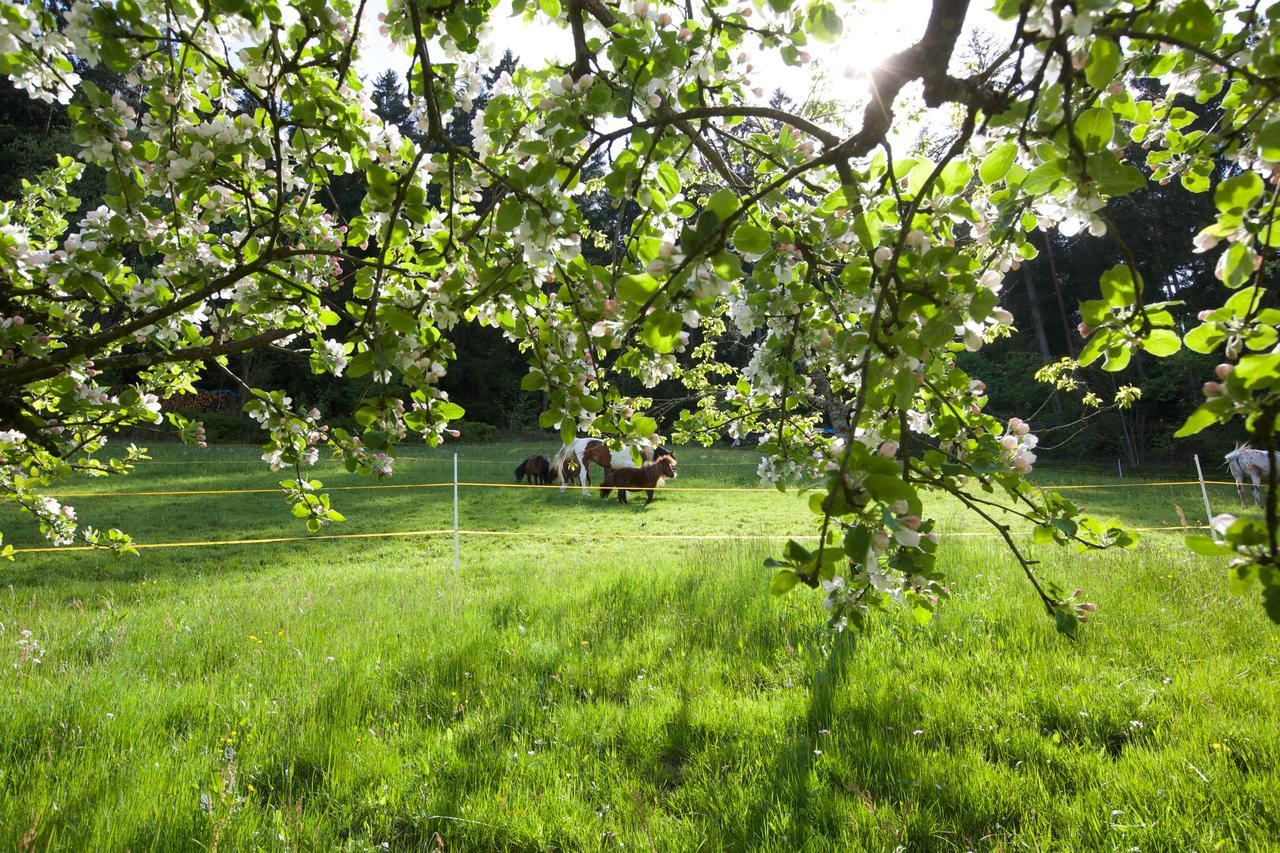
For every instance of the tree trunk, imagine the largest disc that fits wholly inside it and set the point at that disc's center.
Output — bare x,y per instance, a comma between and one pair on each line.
1042,340
837,409
1068,333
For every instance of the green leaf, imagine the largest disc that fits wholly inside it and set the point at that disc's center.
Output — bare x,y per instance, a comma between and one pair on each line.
1208,414
1042,178
1258,370
997,162
1094,128
661,330
723,203
450,411
668,178
637,289
796,553
783,581
643,425
824,22
1269,141
510,214
1240,578
1193,21
1118,358
1118,286
1114,177
1236,195
887,488
1205,338
751,239
1104,61
1237,265
1066,621
1162,342
1206,546
955,176
921,613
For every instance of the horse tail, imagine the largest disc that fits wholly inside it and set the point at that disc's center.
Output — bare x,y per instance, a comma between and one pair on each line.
558,461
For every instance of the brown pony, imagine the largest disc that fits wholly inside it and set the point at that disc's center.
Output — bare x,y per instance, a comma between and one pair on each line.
646,478
536,468
588,450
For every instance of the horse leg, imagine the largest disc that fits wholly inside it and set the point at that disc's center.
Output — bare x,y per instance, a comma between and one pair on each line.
649,492
1257,485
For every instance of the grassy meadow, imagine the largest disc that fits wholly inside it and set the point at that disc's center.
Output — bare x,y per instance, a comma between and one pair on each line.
578,687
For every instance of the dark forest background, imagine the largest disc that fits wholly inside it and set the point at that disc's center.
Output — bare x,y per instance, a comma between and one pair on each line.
1157,224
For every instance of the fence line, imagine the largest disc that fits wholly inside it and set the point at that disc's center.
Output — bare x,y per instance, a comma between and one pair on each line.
568,486
530,534
506,462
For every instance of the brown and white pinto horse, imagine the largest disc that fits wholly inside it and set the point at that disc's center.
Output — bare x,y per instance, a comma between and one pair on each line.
587,450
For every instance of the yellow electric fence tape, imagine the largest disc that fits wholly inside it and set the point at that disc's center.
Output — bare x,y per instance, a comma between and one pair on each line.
526,534
569,487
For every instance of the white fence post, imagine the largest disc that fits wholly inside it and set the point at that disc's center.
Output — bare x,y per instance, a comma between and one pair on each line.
1119,468
457,558
1203,491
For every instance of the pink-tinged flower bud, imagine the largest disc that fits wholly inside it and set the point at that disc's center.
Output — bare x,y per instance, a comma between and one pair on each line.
641,9
686,34
1085,330
17,320
1212,389
889,449
1203,316
656,267
455,433
882,256
1222,371
912,521
1089,607
880,540
977,386
1204,241
664,19
900,506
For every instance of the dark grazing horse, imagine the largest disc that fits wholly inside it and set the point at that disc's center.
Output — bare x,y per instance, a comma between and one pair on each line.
536,468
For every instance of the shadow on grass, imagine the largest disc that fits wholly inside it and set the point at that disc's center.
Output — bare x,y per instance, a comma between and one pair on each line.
794,764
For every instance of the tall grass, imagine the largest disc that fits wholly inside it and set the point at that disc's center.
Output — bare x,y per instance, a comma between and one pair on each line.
583,692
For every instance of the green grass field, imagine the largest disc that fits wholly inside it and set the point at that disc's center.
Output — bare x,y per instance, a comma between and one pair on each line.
575,687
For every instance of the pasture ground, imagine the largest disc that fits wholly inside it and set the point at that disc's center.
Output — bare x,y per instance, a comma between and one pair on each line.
572,688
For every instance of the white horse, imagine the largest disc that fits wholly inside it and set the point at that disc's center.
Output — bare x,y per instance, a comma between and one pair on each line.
588,450
1256,463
